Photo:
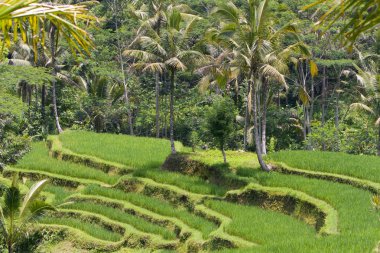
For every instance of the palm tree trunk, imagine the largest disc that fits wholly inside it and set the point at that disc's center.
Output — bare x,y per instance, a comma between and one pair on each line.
323,105
304,129
256,129
157,106
43,102
172,145
166,118
54,73
129,113
126,92
264,118
312,101
10,248
55,109
337,103
247,117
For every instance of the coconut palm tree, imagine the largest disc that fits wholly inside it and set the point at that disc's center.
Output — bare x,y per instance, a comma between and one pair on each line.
368,79
364,15
153,16
16,214
168,53
256,42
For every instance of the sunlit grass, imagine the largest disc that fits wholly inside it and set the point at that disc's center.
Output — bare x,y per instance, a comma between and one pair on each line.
39,159
235,159
138,152
121,216
91,229
364,167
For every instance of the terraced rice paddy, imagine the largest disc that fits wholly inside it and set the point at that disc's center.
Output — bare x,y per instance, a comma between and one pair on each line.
117,197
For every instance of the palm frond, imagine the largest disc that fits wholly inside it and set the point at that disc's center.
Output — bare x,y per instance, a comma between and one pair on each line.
304,96
176,64
155,67
139,54
272,73
361,106
377,123
228,12
33,193
23,16
152,46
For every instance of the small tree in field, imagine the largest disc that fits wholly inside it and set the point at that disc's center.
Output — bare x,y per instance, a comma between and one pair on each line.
220,122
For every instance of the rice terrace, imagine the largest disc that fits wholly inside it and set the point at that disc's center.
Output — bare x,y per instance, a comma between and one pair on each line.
122,192
190,126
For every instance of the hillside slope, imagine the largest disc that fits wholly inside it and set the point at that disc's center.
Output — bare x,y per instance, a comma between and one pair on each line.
119,198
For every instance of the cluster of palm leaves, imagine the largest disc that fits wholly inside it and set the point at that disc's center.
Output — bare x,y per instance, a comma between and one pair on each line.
29,20
361,16
367,75
16,213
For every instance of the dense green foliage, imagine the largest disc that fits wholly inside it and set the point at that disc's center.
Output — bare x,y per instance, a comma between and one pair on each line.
219,122
130,93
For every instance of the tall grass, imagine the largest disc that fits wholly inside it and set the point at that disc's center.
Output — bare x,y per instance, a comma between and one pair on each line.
88,228
364,167
155,205
39,159
138,152
121,216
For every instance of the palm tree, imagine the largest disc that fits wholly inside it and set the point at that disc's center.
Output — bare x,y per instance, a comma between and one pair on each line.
16,215
218,72
154,17
251,35
364,15
166,54
369,80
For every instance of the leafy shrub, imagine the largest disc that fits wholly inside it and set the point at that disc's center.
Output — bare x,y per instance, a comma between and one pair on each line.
13,145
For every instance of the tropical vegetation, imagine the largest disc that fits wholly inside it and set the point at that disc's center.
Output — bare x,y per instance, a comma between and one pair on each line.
189,126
